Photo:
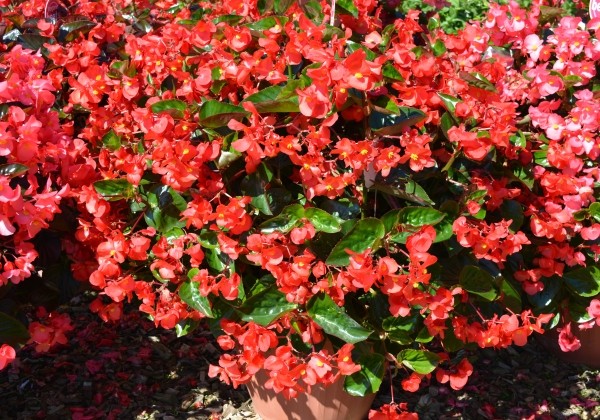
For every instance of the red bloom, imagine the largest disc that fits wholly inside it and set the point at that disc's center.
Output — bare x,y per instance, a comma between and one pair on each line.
567,340
7,355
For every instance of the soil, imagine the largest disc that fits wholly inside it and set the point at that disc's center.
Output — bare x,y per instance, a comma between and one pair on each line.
131,370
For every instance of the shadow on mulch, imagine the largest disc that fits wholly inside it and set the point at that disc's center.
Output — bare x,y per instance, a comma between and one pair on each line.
132,370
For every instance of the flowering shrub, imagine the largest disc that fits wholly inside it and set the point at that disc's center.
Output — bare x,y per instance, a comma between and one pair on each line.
335,190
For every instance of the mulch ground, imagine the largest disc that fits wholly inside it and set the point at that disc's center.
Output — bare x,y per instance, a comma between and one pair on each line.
132,370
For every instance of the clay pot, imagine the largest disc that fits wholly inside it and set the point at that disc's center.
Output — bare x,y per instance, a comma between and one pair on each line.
589,352
323,403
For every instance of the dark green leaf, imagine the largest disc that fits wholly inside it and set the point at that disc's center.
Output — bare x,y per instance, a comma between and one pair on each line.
512,210
276,98
584,281
368,379
389,71
400,329
322,221
215,114
266,307
285,221
342,208
114,189
389,125
477,281
366,234
189,293
334,320
547,298
111,141
173,107
69,31
511,297
414,216
230,19
33,41
267,23
420,361
12,170
12,331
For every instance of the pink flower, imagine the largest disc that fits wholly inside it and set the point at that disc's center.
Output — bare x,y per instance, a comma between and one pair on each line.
567,340
594,310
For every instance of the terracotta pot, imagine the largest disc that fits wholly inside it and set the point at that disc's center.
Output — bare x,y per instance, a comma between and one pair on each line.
323,403
589,352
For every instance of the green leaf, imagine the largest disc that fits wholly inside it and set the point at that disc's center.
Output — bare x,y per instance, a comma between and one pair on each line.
69,31
281,6
512,210
478,80
189,293
173,107
34,42
348,6
12,331
389,125
164,212
420,361
334,320
366,234
438,48
111,141
114,189
595,211
266,307
389,71
547,298
229,19
215,114
369,378
276,98
511,297
267,23
186,326
414,216
477,281
400,329
285,221
449,102
584,281
322,221
12,170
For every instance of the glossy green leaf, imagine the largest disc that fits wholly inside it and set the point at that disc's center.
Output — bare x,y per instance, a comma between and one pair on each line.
12,170
478,80
414,216
511,296
69,31
366,234
173,107
392,124
420,361
281,6
400,329
267,23
479,282
266,307
186,326
229,19
285,221
189,293
12,331
369,378
114,189
334,320
549,295
594,211
34,42
584,281
348,6
111,141
449,102
276,98
322,221
389,71
215,114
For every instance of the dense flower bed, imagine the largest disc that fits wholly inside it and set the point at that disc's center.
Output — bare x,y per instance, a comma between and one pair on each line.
303,173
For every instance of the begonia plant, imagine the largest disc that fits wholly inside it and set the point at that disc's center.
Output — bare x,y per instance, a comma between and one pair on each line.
340,191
